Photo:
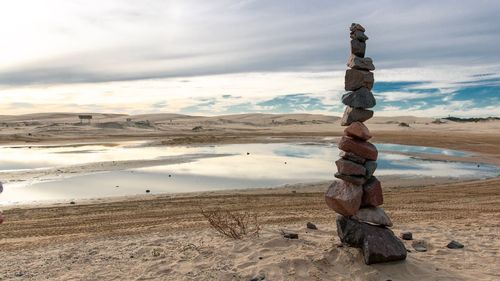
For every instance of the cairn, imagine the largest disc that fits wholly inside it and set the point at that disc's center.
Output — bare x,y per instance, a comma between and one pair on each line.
361,223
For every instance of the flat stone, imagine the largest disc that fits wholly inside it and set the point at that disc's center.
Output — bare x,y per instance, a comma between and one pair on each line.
352,156
356,180
361,148
356,26
360,63
359,35
378,243
373,215
406,235
355,115
372,193
350,168
358,130
361,98
455,245
344,198
290,235
358,48
355,79
419,246
370,167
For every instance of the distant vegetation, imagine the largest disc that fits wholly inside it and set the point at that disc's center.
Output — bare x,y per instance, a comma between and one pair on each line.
458,119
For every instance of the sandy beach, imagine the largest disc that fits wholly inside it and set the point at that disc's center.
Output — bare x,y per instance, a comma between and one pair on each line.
165,237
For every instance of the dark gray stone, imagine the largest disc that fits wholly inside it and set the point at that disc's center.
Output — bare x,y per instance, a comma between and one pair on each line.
406,235
359,35
361,98
358,48
356,78
311,225
290,235
455,245
352,114
356,180
352,156
360,63
370,167
378,243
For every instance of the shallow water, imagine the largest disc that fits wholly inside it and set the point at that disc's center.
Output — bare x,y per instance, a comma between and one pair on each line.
265,165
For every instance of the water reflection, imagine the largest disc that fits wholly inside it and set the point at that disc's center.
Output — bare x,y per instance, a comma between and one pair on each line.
251,165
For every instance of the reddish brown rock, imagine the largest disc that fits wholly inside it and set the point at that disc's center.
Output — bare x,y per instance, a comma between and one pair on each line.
356,180
356,78
350,168
372,193
361,148
352,156
355,115
344,198
358,130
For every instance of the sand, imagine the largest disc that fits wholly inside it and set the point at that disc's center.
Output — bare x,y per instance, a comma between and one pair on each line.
165,237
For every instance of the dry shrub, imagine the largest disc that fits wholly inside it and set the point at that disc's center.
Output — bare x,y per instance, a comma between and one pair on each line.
233,224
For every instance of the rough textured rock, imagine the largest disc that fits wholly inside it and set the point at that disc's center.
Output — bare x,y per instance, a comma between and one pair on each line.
360,63
359,35
358,48
311,225
358,130
373,215
361,98
372,193
378,243
356,26
1,217
355,115
344,198
350,168
356,180
370,167
455,245
361,148
355,79
352,156
406,235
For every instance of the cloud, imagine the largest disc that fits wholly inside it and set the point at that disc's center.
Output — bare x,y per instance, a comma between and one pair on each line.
126,40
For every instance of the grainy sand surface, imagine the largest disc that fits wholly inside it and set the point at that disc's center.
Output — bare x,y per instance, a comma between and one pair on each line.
165,237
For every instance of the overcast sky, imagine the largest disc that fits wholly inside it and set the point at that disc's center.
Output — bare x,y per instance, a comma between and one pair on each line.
433,58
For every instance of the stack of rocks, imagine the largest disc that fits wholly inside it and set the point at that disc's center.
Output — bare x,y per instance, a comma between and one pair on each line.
357,196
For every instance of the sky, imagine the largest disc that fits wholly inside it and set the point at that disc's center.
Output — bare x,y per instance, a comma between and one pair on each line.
432,58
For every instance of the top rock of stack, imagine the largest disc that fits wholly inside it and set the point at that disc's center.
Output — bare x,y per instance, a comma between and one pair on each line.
357,26
358,32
